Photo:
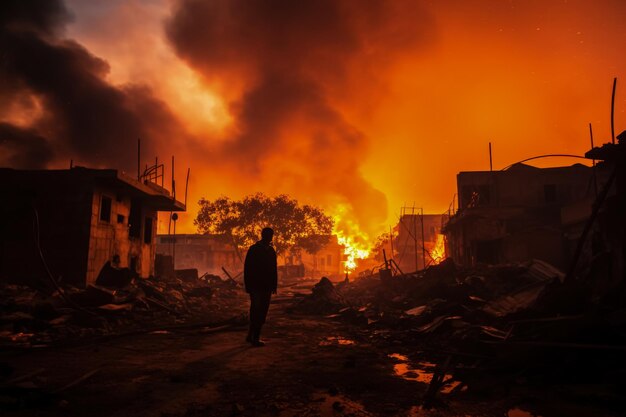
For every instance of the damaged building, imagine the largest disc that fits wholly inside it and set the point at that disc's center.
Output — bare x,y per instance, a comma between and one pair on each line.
521,213
69,224
419,241
208,253
329,261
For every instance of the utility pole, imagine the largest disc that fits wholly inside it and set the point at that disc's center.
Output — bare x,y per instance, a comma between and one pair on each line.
414,214
423,244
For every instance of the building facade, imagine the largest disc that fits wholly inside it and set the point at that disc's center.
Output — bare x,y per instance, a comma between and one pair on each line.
519,214
419,241
207,253
73,222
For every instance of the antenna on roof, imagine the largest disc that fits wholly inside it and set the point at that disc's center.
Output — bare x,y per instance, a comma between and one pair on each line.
138,159
613,111
173,181
187,186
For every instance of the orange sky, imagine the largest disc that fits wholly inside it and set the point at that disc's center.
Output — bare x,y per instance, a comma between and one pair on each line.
413,103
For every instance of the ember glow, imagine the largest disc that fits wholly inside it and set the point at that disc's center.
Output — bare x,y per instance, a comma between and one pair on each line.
438,253
346,104
357,244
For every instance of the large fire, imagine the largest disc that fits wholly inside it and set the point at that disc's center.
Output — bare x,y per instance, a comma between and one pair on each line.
356,243
439,251
353,251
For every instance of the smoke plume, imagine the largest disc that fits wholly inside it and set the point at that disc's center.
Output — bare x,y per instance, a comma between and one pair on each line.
57,102
289,70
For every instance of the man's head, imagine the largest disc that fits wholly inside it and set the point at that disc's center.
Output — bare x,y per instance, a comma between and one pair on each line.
267,234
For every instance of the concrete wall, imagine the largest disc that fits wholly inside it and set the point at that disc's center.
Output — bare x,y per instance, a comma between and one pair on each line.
525,186
110,238
328,261
206,253
47,213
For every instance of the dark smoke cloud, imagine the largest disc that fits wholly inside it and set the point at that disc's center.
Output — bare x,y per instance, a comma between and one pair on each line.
23,147
84,117
292,61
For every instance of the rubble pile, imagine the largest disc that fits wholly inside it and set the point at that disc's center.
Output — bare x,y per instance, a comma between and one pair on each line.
523,321
34,317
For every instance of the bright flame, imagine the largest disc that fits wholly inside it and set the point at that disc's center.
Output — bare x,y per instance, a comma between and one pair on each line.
352,251
356,243
439,251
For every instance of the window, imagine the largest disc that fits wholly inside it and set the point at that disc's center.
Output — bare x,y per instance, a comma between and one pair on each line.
329,260
105,209
120,219
133,263
147,231
549,193
134,219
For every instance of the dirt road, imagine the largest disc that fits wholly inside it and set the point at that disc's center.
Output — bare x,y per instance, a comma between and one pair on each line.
309,367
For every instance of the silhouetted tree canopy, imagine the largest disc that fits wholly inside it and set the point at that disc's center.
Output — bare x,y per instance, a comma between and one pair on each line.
295,227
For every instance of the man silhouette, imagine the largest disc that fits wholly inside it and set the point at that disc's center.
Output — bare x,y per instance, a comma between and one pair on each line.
260,276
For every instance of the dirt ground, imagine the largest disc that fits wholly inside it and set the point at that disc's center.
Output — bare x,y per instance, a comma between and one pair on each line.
311,366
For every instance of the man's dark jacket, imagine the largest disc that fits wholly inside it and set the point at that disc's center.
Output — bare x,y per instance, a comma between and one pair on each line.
260,272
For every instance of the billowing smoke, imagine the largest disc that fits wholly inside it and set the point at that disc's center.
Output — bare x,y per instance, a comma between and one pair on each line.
292,72
56,102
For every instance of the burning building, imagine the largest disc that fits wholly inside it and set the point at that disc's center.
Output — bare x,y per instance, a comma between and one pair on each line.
419,241
69,224
520,213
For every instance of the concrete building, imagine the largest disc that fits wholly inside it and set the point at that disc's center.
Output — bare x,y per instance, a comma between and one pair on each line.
518,214
207,253
329,261
72,222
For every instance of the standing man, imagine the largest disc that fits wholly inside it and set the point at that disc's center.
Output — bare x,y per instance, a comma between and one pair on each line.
260,276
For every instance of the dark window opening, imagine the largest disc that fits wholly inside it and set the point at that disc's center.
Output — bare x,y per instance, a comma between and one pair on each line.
133,264
105,209
549,193
147,231
120,219
134,219
329,259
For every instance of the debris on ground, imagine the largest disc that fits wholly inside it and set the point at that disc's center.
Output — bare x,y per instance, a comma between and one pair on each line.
486,327
34,318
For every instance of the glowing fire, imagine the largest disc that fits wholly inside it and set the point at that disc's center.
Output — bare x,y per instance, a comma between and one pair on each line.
439,251
352,251
356,242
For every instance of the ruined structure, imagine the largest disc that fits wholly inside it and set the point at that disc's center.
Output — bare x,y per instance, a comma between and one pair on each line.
70,223
419,242
207,253
521,213
607,223
328,261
